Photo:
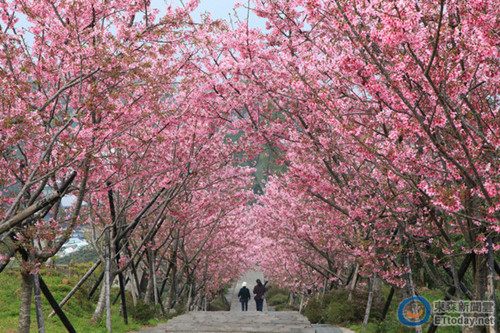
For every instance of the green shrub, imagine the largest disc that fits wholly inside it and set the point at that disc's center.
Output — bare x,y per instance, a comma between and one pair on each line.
286,307
277,299
142,312
341,312
314,310
273,291
334,307
218,304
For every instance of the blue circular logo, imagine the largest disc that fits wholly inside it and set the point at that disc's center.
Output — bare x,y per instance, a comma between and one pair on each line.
414,311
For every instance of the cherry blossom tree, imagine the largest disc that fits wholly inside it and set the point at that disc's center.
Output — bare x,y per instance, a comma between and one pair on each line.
94,107
386,114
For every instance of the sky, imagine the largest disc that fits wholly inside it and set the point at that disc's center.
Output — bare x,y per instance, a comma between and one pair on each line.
220,9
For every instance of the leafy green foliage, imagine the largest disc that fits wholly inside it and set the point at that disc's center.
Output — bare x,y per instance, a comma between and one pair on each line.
273,291
141,312
277,299
219,304
335,308
286,307
314,310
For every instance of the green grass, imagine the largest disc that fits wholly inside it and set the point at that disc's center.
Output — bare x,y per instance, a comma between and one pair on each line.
79,309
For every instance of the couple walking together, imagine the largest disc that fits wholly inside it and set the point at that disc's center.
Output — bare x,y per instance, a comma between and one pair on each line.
259,290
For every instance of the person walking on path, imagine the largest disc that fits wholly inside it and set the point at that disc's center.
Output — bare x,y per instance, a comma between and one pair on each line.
244,296
259,290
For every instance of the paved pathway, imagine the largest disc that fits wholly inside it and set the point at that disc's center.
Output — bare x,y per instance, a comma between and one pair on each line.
250,278
236,321
239,322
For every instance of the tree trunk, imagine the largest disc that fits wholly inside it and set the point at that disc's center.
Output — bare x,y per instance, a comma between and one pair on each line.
387,303
456,280
38,305
107,281
133,275
100,304
189,297
483,285
368,302
25,300
148,295
353,282
135,288
411,287
96,285
490,287
323,291
104,302
173,287
480,285
143,283
153,277
451,291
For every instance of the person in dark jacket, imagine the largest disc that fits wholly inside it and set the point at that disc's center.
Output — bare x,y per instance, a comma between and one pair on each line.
244,296
259,290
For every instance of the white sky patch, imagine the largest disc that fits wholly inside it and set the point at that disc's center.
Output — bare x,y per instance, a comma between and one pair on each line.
68,200
218,9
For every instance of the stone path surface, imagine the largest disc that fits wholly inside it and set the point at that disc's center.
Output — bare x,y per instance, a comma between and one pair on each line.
240,322
236,321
